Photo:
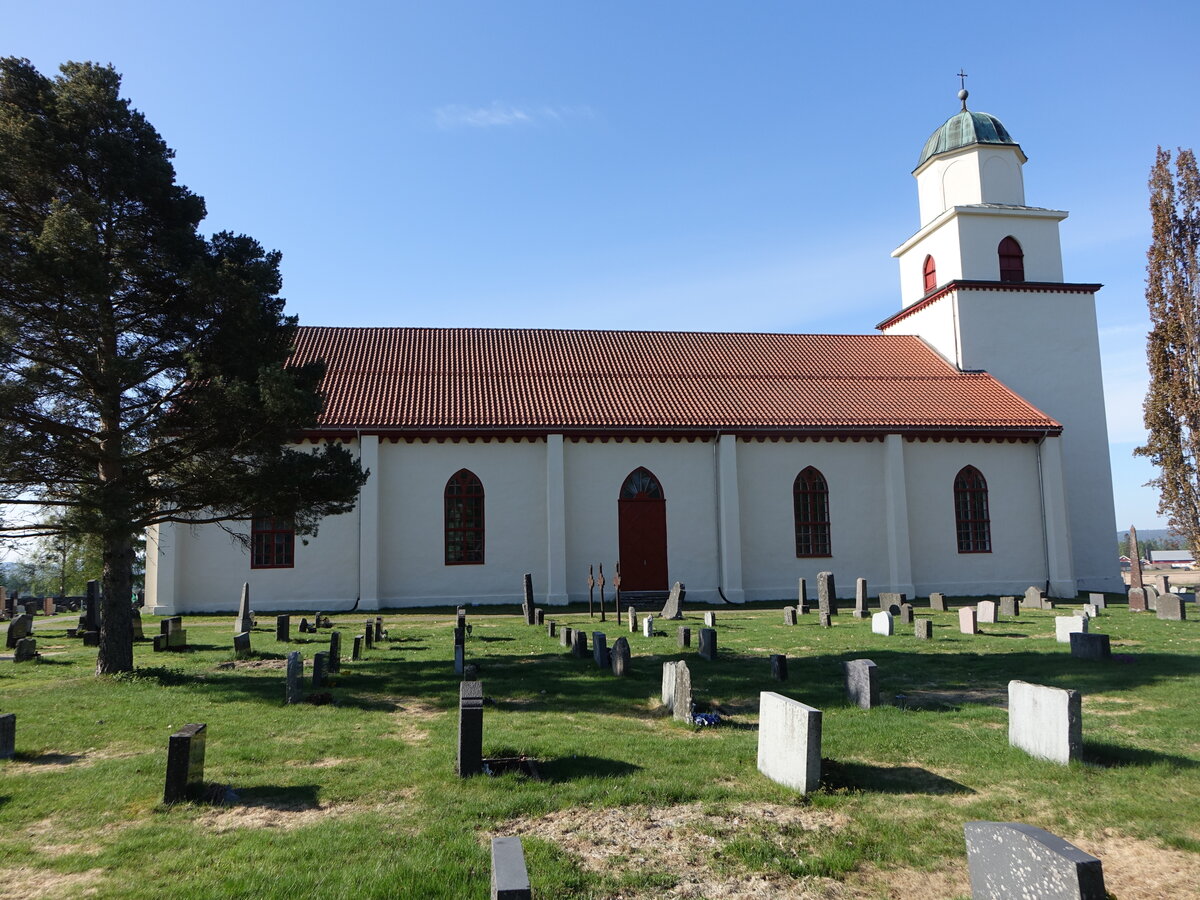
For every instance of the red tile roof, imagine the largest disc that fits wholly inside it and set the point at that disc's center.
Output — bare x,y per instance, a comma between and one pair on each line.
490,380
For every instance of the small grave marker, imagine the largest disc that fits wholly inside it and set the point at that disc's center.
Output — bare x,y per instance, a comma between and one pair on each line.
710,620
881,623
1006,860
860,598
648,626
8,735
527,601
986,610
579,643
779,667
684,637
967,622
551,629
862,682
185,763
356,648
369,635
1045,721
631,613
564,636
295,672
906,613
708,643
937,601
1090,646
241,645
1171,608
1009,607
619,656
510,878
923,629
1096,600
600,650
283,628
789,615
319,669
677,690
25,651
1065,626
789,741
470,728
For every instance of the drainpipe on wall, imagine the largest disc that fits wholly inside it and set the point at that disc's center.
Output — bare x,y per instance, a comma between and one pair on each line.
1042,503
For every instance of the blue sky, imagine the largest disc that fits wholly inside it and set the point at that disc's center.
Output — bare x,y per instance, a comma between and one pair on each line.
669,165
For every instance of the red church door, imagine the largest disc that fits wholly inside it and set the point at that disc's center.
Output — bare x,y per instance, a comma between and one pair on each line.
642,527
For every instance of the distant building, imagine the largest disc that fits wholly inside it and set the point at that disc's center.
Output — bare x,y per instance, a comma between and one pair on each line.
1172,557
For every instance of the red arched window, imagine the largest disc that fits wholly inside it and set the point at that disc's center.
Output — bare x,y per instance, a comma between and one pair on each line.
810,506
971,512
1012,260
930,272
272,542
464,519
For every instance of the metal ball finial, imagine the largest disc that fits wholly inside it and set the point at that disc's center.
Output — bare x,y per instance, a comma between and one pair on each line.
962,95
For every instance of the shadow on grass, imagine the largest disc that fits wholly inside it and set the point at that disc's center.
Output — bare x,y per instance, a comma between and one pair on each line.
887,779
1114,756
492,640
571,768
270,796
48,759
48,661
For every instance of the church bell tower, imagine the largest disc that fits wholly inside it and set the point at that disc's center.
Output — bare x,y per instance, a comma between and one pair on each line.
981,281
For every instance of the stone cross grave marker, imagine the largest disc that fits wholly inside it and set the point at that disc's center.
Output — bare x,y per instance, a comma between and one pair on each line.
510,878
185,763
1045,721
967,623
1007,860
243,622
8,735
708,643
937,601
470,728
862,682
295,673
600,650
923,629
1065,626
881,623
684,636
779,667
619,656
1090,646
860,598
673,608
789,742
826,593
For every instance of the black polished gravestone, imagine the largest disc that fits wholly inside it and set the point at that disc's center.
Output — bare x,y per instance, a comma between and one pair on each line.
527,598
357,649
369,636
470,729
1008,860
335,652
685,637
185,763
241,645
510,878
8,735
283,628
1092,645
295,672
779,667
708,643
319,669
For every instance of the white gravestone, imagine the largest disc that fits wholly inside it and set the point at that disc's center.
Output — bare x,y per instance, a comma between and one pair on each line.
986,610
789,741
881,623
1045,721
1065,626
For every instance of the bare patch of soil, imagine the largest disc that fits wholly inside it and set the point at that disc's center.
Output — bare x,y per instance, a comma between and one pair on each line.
254,664
409,717
326,763
287,816
24,883
58,761
1136,868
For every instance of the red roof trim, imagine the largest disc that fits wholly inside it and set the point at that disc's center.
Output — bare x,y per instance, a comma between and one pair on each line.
934,433
1029,287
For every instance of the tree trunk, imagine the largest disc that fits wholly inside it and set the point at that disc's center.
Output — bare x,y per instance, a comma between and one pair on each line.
116,626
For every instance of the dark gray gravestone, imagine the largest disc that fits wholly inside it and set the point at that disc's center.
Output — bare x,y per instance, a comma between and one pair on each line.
906,614
685,637
335,651
826,593
470,728
1170,607
619,656
379,632
862,683
305,628
824,619
356,648
243,622
1090,645
8,735
461,618
579,643
135,624
539,616
708,643
241,645
674,605
1009,607
779,667
1008,860
460,659
527,603
25,651
160,641
369,636
90,620
320,668
19,629
789,615
802,597
551,629
92,639
937,601
510,879
923,629
177,639
185,763
1137,599
283,628
564,636
460,637
600,649
295,672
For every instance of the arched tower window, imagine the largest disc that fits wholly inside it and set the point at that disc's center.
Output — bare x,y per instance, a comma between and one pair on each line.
971,512
641,485
464,519
1012,260
810,506
930,273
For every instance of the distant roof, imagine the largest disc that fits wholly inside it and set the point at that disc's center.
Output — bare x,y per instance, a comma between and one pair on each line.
627,382
1171,556
964,129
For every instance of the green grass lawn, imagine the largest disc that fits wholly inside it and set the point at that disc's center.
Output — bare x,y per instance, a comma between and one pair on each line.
359,798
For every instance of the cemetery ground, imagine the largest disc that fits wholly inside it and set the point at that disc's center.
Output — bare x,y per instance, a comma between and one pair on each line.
358,797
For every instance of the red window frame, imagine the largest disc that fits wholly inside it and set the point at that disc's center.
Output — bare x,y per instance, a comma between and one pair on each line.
272,542
810,508
929,270
971,519
464,524
1012,260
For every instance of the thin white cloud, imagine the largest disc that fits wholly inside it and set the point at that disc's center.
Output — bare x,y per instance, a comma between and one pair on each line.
503,115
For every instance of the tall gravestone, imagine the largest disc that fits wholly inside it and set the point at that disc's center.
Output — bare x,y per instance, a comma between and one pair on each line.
862,682
826,593
779,670
90,621
619,656
356,648
470,728
673,609
708,643
8,735
600,649
802,597
677,690
319,669
631,613
1045,721
335,652
243,622
293,692
283,628
527,603
1009,860
860,598
789,742
1135,561
369,636
185,763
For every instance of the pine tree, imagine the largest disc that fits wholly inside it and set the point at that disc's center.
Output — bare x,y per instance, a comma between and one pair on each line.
144,370
1172,407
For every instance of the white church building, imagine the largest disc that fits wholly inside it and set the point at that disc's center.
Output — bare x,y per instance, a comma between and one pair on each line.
961,449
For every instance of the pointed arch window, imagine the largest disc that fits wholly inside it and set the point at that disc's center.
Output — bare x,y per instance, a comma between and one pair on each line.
464,519
971,511
929,270
641,485
810,507
1012,260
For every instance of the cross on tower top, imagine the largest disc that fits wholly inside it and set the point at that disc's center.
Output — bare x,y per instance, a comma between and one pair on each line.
962,93
962,79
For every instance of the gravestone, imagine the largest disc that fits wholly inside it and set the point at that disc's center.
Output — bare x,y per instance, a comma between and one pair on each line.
460,617
460,637
92,639
802,597
862,682
25,651
789,615
48,607
1170,607
648,626
459,658
185,763
551,629
159,641
826,593
1151,597
923,629
906,613
860,598
1135,560
579,643
356,648
677,690
319,669
295,672
1137,599
967,623
243,622
135,624
1009,607
673,609
19,628
1008,860
379,632
283,628
1090,646
539,616
937,601
305,628
1065,626
175,633
8,735
824,619
527,601
986,611
685,637
619,656
881,623
1096,600
241,645
1045,721
1035,598
890,601
470,729
789,741
710,620
708,643
335,652
369,636
90,620
510,878
1162,583
600,650
779,667
564,636
1092,612
631,614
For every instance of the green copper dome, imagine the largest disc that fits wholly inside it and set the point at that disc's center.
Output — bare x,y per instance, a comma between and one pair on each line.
964,129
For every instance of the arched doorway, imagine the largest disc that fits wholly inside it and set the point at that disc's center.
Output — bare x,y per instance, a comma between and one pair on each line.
642,525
